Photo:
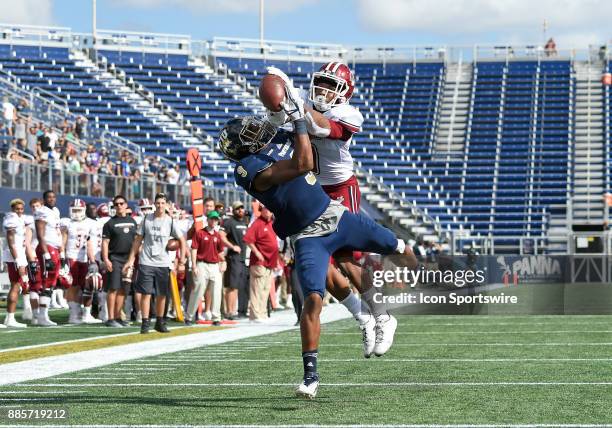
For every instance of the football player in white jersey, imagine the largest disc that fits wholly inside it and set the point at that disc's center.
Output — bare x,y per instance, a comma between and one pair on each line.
50,252
77,232
93,215
332,122
15,258
30,305
144,207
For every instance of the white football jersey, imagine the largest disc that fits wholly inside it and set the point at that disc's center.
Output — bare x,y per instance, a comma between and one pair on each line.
51,217
96,235
79,233
29,222
333,162
12,221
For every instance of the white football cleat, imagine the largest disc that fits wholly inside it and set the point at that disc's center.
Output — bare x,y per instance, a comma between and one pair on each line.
89,319
75,319
368,336
308,388
14,324
44,321
2,326
385,331
64,304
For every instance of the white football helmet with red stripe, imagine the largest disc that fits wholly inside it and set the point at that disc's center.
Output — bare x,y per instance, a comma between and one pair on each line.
333,84
145,207
103,210
77,210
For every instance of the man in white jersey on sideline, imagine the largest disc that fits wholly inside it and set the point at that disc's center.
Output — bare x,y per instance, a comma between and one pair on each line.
30,300
14,254
50,252
77,232
332,122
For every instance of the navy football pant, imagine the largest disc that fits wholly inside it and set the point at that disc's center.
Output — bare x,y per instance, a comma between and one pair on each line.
355,232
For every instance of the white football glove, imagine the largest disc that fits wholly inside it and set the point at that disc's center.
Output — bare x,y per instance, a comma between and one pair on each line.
277,118
280,73
293,105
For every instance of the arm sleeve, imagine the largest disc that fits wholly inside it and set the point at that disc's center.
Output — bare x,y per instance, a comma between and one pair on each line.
140,228
341,130
106,231
195,241
249,236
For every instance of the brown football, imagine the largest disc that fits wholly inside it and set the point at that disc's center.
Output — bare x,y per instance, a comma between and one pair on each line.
271,92
173,245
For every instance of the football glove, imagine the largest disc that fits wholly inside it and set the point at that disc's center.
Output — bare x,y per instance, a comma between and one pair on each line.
277,119
293,105
49,265
33,268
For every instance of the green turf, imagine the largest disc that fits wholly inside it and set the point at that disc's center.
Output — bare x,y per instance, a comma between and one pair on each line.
423,343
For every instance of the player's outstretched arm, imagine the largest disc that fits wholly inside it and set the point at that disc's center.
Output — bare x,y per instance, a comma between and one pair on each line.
286,170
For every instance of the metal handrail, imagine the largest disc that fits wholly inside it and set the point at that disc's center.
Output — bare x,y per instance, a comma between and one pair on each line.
56,99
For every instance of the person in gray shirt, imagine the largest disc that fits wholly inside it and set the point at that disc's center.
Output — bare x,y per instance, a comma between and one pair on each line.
154,262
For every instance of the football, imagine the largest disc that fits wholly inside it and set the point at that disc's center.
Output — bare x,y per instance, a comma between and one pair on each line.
271,92
173,245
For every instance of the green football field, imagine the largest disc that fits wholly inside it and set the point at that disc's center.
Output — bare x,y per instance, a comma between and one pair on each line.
499,370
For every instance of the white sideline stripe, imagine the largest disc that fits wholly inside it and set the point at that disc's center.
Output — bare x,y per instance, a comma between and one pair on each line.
475,344
345,384
31,399
63,342
408,360
154,364
21,371
480,333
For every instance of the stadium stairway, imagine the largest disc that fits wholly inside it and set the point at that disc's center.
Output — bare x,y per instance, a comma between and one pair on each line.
589,155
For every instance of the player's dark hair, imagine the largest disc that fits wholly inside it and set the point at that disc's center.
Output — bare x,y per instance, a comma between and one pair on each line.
161,196
208,199
119,197
47,192
35,201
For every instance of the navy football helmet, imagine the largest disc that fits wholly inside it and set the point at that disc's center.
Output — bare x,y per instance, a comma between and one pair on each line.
244,136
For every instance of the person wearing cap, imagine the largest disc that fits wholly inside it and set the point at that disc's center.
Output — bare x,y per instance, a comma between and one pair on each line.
262,240
206,254
237,274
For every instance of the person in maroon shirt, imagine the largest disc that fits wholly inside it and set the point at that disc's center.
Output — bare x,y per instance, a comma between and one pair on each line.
262,240
206,254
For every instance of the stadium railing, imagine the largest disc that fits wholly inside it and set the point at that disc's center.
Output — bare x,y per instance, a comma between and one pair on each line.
31,176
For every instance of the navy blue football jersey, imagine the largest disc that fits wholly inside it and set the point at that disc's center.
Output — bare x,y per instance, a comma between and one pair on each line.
296,203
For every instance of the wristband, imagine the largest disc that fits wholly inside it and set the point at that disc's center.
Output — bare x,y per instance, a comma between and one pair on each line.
47,256
299,126
62,255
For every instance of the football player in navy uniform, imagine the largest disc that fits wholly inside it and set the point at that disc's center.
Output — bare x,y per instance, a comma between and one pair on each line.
317,225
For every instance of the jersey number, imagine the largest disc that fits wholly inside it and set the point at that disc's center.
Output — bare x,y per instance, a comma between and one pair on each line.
315,160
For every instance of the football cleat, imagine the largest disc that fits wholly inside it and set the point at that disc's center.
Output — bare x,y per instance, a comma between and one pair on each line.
90,319
44,321
309,387
368,336
385,330
2,326
75,319
14,324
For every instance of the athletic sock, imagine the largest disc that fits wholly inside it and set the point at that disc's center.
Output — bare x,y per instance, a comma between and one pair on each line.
86,311
9,317
310,362
357,308
377,308
74,308
26,302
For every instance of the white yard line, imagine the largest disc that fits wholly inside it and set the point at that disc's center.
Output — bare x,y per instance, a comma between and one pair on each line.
404,360
339,385
478,333
24,371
